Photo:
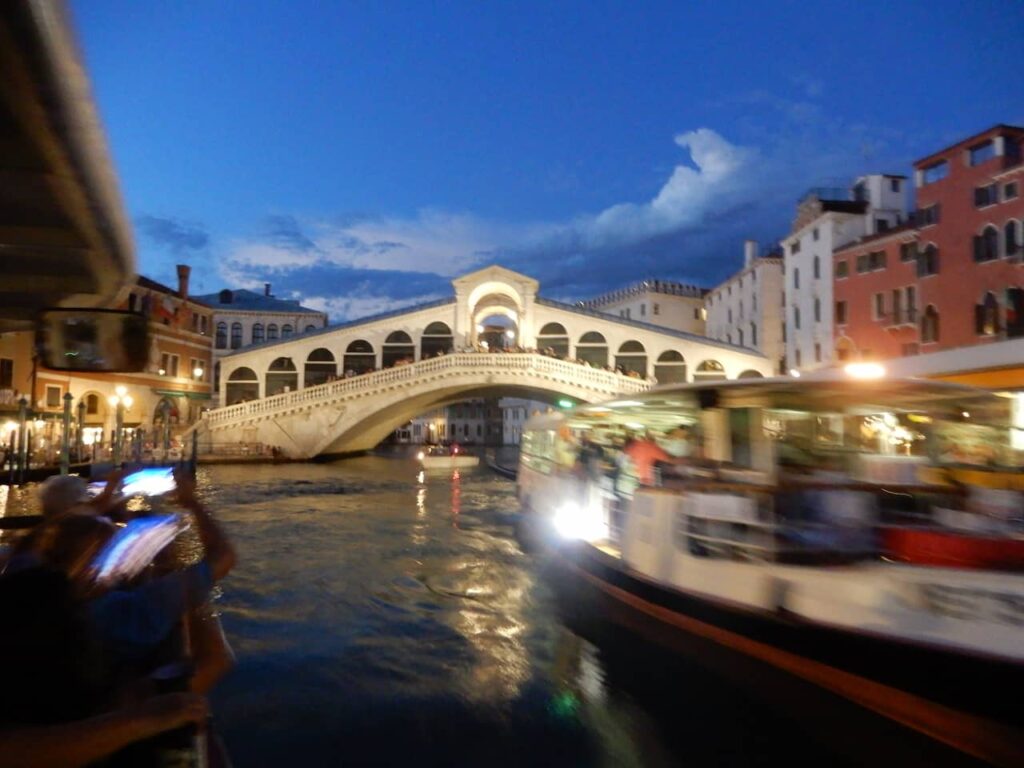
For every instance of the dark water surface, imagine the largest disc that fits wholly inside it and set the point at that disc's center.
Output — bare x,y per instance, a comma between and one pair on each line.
381,619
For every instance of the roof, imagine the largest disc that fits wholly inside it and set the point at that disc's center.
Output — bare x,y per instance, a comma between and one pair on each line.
66,238
243,300
994,130
664,287
696,338
902,229
348,325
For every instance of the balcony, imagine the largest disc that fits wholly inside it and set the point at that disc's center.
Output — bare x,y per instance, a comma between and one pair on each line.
900,317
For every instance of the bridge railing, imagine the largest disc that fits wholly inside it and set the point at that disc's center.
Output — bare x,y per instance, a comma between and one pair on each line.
576,373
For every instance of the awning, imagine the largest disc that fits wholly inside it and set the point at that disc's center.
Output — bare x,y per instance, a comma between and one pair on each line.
168,392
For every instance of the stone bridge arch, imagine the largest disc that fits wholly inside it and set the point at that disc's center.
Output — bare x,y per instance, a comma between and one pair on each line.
352,415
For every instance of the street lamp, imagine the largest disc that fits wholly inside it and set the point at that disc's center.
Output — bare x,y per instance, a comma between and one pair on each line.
197,373
120,401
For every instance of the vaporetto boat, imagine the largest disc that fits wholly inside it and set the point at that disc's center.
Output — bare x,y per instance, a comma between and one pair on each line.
861,536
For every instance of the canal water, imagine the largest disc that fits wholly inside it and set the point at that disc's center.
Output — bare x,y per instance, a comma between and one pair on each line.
382,617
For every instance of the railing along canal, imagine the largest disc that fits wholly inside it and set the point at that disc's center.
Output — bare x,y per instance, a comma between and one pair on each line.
573,373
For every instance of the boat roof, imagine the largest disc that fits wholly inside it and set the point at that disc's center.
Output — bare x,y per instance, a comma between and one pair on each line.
830,392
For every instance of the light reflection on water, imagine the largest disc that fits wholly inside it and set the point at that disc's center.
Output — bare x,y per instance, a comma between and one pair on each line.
383,616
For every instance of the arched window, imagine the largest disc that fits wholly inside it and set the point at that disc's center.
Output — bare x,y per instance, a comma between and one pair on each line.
309,328
986,316
272,332
930,325
709,370
282,376
242,385
257,333
555,338
236,335
436,340
359,358
398,348
286,330
632,358
92,404
592,348
1011,238
750,373
670,368
320,367
986,245
221,340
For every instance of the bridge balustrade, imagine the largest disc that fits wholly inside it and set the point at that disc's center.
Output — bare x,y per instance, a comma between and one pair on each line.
576,373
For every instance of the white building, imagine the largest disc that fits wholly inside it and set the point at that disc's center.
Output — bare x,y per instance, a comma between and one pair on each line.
242,318
747,308
829,218
478,421
514,413
660,302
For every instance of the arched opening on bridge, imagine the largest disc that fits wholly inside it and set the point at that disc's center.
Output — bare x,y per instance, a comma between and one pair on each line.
243,384
359,358
282,376
398,348
437,340
497,332
750,373
670,368
554,337
632,358
709,370
320,367
592,348
495,309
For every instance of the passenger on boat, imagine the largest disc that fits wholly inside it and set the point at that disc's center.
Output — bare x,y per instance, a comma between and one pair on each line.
59,706
677,442
645,453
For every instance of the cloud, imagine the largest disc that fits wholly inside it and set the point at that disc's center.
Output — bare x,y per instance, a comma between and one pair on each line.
691,228
712,177
179,237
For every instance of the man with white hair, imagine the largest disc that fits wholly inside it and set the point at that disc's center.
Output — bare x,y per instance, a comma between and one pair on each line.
61,493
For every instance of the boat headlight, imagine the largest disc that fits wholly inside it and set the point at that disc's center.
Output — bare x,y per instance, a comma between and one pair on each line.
577,521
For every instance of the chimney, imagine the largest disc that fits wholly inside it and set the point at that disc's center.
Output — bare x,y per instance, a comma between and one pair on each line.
266,290
749,252
184,270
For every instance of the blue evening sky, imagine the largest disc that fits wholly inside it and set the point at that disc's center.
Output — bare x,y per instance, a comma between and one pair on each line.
359,154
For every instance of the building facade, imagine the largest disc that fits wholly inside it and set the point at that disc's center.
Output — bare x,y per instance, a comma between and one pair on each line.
875,297
659,302
474,422
828,219
954,278
970,215
747,308
242,318
172,391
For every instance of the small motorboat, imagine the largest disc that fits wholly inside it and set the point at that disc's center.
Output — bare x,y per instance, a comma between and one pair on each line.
442,458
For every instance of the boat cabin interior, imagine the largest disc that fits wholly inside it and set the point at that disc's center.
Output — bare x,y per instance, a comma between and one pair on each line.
797,471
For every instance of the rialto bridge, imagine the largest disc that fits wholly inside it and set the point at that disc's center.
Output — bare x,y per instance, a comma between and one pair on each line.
344,388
